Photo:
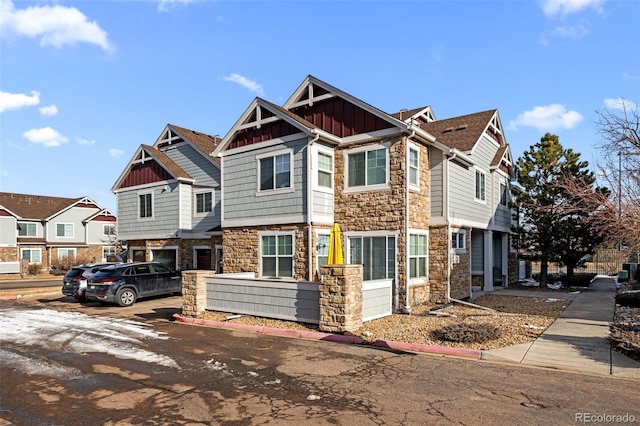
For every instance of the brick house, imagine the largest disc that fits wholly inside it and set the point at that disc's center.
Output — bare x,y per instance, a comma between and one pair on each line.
422,203
43,229
168,199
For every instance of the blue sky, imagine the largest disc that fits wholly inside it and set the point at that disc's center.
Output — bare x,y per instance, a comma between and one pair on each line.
84,83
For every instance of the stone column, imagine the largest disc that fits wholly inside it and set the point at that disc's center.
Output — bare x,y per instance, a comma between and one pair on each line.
194,294
340,298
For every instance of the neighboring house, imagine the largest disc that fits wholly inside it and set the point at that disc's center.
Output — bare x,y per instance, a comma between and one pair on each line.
168,200
45,229
421,207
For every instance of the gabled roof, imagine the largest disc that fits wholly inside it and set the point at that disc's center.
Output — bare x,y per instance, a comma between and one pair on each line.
103,212
206,144
423,114
463,132
38,207
146,153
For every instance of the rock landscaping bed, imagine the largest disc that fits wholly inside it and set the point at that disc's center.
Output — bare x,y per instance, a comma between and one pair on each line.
515,320
625,329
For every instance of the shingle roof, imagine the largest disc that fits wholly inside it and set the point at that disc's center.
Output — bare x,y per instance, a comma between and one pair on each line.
35,206
166,162
498,157
206,143
460,132
406,113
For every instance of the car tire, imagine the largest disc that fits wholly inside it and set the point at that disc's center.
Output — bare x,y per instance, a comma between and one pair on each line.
126,297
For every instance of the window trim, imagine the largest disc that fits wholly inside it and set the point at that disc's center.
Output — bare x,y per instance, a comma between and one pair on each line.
35,228
413,147
75,252
104,258
22,250
274,154
316,169
483,174
145,193
110,225
366,149
419,278
373,234
459,233
195,202
324,233
504,194
292,256
65,230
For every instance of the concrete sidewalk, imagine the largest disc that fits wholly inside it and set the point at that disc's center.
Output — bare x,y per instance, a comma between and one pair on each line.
577,340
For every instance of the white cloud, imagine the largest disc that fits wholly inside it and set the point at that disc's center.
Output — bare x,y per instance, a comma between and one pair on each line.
9,101
628,76
167,5
53,25
547,118
620,104
574,32
245,82
46,136
115,152
49,110
554,8
83,141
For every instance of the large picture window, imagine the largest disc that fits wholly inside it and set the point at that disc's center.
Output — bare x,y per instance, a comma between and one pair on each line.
417,256
64,230
367,168
204,202
275,172
145,204
276,255
26,229
376,254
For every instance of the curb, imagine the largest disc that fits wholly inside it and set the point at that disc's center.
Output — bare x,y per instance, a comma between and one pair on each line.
329,337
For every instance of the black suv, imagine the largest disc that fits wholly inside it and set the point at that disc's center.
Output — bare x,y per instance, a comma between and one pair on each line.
125,283
74,282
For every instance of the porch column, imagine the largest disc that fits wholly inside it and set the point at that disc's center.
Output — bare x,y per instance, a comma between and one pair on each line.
340,298
488,261
505,258
194,292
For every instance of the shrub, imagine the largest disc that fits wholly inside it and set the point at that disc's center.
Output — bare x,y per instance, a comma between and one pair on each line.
578,280
35,268
67,262
468,333
629,299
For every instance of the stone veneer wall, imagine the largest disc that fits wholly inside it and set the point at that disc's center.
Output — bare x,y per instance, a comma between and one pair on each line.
438,264
194,292
184,245
341,298
9,254
460,281
242,245
514,267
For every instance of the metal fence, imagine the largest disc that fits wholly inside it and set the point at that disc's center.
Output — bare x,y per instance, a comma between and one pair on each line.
603,262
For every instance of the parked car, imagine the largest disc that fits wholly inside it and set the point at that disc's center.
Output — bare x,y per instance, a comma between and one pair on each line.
125,283
74,282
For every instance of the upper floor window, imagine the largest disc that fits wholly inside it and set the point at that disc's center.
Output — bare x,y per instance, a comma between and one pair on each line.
64,230
325,170
276,255
458,240
109,230
204,202
274,172
367,168
26,229
480,186
417,255
145,205
414,166
503,194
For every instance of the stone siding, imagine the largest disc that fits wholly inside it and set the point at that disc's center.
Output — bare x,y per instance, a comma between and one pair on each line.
9,254
194,292
460,280
185,248
341,298
438,264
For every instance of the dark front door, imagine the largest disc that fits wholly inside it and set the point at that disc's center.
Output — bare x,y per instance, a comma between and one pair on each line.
203,258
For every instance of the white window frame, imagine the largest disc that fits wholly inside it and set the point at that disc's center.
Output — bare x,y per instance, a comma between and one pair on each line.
28,225
373,234
138,213
483,188
324,248
31,250
424,256
317,170
366,149
110,249
277,256
195,202
67,252
109,229
65,224
459,244
274,154
504,194
413,185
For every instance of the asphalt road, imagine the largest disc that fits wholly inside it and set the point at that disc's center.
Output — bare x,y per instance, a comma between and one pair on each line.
175,373
31,284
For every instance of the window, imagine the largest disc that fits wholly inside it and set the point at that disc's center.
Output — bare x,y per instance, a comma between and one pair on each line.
276,255
325,170
458,240
480,186
145,204
376,254
367,168
322,250
275,172
109,230
32,255
108,251
503,194
204,202
64,230
66,253
417,256
414,166
26,229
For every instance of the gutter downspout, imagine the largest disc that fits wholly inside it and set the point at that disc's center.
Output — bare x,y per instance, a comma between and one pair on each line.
407,306
309,205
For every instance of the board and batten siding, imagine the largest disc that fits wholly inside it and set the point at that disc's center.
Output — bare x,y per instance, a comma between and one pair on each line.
436,176
75,216
164,223
241,201
8,231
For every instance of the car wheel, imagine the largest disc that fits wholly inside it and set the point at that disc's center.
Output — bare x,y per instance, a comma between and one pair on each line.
126,297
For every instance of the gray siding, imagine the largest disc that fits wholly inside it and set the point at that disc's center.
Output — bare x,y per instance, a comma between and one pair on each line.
75,216
477,250
8,231
289,301
95,232
165,213
376,301
502,217
322,203
240,185
201,169
186,204
436,168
